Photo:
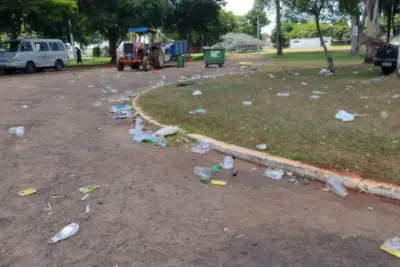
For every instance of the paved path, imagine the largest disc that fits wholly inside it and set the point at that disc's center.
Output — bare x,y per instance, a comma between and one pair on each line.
154,211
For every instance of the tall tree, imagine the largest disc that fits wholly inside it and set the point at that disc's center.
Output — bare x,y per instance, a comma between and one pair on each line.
194,16
255,16
16,15
372,23
358,13
113,18
317,8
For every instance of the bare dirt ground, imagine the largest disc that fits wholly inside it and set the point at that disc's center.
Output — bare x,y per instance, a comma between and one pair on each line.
154,211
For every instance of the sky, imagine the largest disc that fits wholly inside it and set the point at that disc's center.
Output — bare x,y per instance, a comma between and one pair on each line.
241,7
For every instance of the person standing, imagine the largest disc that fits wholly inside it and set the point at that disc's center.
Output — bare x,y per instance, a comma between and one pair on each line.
78,56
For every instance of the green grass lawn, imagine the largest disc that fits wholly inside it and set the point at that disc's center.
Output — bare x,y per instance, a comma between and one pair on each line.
297,127
90,62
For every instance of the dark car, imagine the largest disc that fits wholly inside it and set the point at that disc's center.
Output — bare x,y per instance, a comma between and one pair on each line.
386,58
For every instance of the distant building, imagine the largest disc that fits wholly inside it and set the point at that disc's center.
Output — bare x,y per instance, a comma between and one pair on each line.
309,42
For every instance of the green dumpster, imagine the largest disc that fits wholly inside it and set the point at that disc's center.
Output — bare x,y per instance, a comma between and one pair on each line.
181,61
214,56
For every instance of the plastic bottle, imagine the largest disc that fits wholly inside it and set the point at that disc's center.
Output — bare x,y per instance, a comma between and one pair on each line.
337,188
19,131
139,123
202,172
228,162
66,232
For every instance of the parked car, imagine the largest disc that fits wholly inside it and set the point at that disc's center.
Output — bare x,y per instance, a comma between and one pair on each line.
32,55
386,57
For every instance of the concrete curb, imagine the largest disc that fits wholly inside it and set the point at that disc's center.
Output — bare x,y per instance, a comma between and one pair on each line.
349,180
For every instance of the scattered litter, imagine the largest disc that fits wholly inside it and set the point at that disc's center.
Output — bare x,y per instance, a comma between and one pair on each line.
395,96
123,115
156,140
262,146
392,246
169,130
130,93
315,97
85,197
202,172
360,115
355,72
184,82
271,75
325,72
370,208
107,82
364,97
365,82
337,188
163,78
283,94
216,167
26,192
154,73
303,83
109,89
90,86
235,172
48,207
305,181
18,131
384,114
197,92
66,232
348,87
325,189
70,81
274,174
25,106
88,189
315,92
247,103
293,181
120,108
97,104
202,148
377,79
226,229
228,162
87,209
239,236
288,173
218,182
344,116
198,111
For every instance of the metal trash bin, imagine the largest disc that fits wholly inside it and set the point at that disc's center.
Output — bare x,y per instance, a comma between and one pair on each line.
214,56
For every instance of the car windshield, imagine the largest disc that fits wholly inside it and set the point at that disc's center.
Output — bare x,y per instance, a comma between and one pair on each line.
11,46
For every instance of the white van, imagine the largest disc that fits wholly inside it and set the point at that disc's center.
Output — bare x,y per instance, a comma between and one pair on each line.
33,54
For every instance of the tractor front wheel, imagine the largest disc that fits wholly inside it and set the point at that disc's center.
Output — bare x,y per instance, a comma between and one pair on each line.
158,59
120,66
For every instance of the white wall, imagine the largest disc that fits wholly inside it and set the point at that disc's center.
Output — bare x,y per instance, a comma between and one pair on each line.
309,42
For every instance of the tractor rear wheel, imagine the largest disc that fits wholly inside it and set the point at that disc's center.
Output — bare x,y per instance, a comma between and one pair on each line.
145,64
158,59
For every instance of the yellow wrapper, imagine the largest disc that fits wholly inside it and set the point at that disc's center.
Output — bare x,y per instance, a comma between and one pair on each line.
392,246
249,64
88,189
26,192
218,182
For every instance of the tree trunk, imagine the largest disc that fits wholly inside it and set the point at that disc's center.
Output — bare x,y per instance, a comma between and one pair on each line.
331,66
112,49
372,19
355,34
279,38
388,23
